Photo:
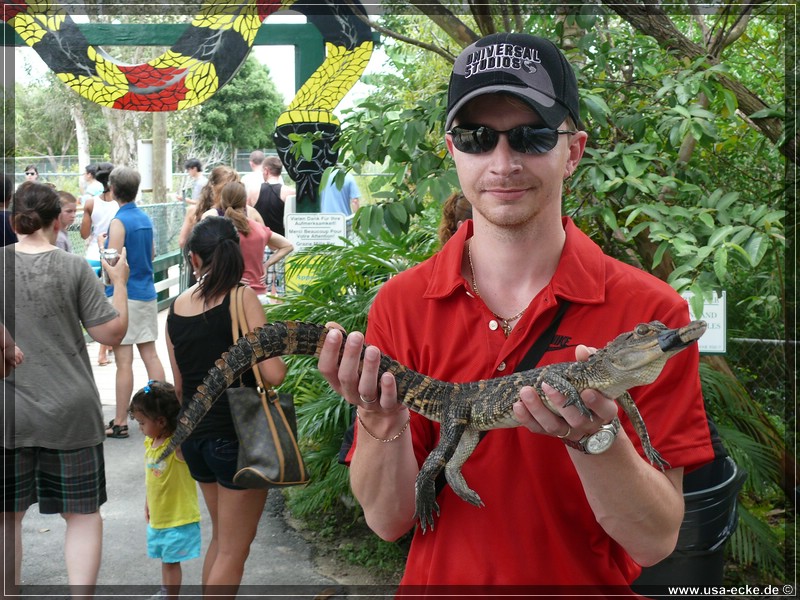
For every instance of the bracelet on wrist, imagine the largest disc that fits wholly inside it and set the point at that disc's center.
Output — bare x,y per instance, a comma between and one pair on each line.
381,440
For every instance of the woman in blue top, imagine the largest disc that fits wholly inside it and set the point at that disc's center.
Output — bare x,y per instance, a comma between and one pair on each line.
132,229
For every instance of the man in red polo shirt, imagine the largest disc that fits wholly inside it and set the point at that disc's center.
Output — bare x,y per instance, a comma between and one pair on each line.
554,517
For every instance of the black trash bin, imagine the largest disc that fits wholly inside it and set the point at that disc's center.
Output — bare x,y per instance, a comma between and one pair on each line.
710,494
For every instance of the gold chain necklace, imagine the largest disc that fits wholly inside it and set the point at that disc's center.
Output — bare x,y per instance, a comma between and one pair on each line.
505,323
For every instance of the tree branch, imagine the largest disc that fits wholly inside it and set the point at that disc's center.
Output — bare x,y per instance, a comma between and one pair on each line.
651,20
408,40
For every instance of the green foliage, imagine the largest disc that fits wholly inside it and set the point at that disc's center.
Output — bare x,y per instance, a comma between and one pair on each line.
344,281
754,544
243,113
757,447
373,553
408,143
43,122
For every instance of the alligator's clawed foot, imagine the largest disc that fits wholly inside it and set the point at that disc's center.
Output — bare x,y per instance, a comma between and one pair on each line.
580,405
656,459
424,513
426,503
468,495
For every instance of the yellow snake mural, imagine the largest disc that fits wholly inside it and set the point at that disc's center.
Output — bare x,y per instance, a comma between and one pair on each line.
205,57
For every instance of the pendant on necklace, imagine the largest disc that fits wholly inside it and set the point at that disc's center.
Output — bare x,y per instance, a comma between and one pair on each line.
505,324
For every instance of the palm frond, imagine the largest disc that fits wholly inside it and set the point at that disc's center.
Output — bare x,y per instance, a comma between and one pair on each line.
754,543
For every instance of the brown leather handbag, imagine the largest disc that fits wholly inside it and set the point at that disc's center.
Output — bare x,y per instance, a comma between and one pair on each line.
265,422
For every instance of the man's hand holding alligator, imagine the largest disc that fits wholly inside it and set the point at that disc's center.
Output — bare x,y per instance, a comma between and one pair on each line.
535,416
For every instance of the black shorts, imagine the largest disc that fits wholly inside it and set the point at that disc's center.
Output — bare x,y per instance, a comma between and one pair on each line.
212,460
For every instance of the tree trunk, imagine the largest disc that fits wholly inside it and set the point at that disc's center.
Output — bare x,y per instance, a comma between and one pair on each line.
159,157
82,135
120,131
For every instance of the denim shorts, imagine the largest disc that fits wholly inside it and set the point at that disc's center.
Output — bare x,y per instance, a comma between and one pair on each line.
174,544
212,460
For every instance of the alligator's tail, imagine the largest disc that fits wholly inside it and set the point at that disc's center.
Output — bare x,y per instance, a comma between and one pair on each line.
274,339
283,338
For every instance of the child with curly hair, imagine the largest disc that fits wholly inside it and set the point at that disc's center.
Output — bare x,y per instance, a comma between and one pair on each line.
171,508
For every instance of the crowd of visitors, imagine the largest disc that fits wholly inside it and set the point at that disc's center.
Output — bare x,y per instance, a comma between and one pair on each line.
57,434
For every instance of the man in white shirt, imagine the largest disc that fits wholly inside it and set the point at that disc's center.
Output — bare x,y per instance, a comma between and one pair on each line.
252,181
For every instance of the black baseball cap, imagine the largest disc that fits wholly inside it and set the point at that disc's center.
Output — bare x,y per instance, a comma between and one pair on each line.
529,67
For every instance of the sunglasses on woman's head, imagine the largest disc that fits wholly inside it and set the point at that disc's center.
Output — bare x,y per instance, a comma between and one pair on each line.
526,139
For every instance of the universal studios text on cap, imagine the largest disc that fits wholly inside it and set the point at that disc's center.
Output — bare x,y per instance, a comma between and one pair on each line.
501,57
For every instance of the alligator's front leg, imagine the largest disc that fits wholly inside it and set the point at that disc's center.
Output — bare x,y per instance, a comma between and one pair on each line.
425,487
469,440
628,405
552,376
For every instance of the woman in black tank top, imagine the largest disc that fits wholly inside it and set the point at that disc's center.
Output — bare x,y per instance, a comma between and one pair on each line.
198,332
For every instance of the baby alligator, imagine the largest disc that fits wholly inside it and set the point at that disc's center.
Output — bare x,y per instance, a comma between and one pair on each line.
463,409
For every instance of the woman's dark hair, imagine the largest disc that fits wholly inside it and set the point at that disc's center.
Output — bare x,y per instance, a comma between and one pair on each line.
92,170
216,242
36,206
102,174
157,399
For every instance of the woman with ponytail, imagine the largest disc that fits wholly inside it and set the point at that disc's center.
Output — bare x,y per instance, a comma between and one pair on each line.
53,430
198,332
254,238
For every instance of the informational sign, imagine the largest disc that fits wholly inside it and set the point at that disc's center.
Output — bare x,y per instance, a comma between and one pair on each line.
714,313
306,230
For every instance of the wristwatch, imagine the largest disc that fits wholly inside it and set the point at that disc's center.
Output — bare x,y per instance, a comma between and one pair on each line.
599,441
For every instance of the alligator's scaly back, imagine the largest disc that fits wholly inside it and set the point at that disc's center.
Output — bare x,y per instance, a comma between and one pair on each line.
281,338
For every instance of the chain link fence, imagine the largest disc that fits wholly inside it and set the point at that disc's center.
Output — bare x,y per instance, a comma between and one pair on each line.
763,367
167,219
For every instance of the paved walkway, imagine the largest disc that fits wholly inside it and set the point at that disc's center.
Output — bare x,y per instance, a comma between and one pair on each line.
280,562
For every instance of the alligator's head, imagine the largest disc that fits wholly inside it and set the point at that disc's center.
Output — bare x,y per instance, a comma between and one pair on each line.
637,357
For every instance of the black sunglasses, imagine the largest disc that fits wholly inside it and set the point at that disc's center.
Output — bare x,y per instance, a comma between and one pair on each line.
525,138
30,173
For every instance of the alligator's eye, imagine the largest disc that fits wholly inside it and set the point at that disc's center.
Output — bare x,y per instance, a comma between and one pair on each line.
642,329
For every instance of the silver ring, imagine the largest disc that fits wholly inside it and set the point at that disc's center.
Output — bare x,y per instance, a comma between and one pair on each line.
569,430
365,401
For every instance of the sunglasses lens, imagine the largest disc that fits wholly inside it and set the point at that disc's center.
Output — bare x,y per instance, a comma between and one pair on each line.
474,141
530,140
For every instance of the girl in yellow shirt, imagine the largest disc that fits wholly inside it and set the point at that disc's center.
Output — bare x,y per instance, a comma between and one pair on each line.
171,508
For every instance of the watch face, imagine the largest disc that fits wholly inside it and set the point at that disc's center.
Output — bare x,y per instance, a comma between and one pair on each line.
600,441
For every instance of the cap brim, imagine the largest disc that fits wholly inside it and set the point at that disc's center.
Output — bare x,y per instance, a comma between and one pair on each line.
550,110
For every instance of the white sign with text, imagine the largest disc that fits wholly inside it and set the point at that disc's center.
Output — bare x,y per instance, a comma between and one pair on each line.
305,230
714,313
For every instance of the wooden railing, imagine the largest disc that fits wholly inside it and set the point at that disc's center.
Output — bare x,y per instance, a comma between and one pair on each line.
163,280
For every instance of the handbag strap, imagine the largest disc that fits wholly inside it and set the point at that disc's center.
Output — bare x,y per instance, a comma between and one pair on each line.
239,327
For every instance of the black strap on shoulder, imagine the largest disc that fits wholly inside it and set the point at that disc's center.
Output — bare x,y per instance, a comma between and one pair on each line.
535,354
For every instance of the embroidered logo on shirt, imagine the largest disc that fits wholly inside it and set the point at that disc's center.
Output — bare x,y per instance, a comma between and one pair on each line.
560,342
